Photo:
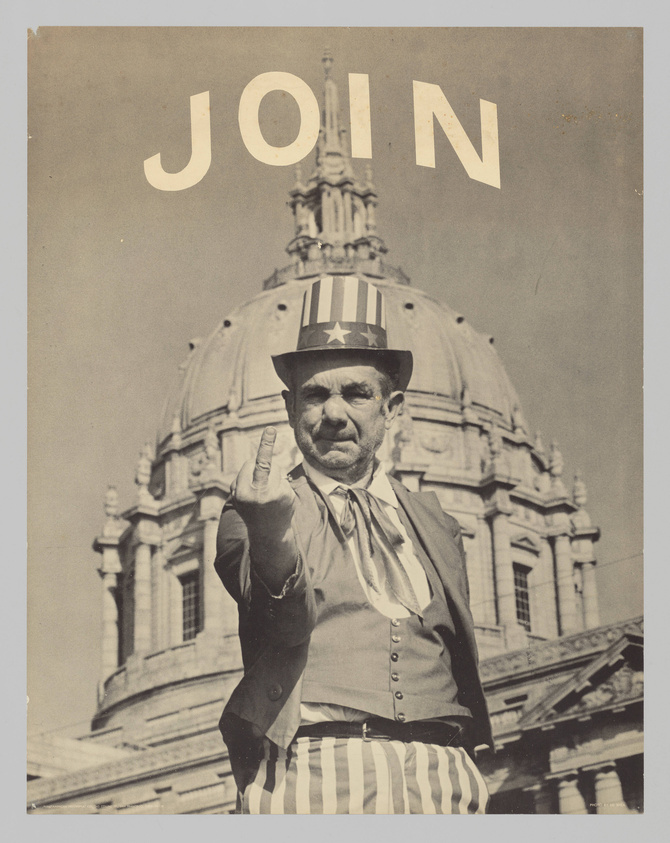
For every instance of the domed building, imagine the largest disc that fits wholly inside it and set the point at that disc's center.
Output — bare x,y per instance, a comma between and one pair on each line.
564,693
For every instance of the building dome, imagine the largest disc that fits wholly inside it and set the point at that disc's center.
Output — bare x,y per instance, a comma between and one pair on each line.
230,370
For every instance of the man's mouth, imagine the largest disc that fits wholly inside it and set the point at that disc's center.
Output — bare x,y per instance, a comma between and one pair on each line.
335,437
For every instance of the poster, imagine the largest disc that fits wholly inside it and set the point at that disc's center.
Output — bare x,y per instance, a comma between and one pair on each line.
124,273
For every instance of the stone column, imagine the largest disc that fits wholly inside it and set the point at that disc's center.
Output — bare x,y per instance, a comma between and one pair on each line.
110,625
158,600
219,607
471,446
504,573
570,799
515,634
142,618
545,593
566,589
107,545
348,213
213,588
541,797
608,794
487,586
590,596
326,212
371,220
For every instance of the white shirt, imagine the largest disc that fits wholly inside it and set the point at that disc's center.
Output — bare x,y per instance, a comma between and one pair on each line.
386,603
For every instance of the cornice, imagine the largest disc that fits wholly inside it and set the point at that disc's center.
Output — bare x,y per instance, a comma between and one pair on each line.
519,662
137,766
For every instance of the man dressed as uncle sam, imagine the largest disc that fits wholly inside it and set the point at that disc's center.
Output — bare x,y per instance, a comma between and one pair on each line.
360,692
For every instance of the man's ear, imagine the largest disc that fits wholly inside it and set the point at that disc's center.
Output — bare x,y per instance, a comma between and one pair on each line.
392,407
287,395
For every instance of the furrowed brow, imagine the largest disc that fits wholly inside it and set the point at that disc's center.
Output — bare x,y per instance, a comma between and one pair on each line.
313,390
366,388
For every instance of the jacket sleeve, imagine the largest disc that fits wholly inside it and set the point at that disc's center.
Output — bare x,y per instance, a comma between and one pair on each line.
457,536
286,619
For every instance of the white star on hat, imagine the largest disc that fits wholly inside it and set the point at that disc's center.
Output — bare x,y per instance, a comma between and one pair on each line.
336,333
370,337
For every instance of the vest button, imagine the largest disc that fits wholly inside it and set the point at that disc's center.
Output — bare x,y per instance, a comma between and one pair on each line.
395,677
398,695
400,717
395,622
394,657
275,692
395,639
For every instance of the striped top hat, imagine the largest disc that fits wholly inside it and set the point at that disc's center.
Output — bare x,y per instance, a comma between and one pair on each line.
345,313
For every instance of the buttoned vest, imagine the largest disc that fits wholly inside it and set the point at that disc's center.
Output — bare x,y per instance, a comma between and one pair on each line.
396,668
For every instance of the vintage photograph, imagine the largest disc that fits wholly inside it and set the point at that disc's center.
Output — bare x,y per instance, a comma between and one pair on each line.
335,420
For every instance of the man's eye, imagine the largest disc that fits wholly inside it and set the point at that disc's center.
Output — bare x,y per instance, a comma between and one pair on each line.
315,396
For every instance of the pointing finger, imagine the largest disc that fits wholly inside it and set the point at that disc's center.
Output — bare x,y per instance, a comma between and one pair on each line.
264,457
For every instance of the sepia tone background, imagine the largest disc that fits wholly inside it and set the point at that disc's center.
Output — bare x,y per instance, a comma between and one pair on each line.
122,276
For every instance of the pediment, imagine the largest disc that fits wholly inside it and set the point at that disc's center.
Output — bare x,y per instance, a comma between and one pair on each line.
611,679
523,541
184,545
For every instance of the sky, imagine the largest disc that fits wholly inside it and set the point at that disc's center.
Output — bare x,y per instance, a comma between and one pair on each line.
122,275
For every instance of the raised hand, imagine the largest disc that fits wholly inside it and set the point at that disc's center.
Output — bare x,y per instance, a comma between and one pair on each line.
263,498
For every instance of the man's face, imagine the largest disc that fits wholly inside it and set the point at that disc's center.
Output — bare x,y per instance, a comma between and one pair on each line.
339,412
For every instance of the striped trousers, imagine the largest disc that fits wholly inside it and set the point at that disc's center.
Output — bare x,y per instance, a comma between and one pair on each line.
354,776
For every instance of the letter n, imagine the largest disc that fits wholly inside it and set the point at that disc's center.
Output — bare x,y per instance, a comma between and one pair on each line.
428,101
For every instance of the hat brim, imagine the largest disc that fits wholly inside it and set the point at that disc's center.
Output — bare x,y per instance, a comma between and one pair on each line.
386,358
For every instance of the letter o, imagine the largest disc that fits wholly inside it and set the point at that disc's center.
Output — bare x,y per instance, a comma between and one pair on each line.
310,122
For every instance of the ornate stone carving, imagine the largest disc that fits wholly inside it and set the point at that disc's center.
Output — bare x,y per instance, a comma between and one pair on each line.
579,491
143,474
555,651
495,442
581,518
437,441
112,528
556,471
111,502
623,685
175,431
556,461
212,455
404,440
469,414
542,482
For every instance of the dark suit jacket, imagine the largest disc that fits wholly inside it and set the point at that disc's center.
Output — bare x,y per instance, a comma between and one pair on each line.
274,633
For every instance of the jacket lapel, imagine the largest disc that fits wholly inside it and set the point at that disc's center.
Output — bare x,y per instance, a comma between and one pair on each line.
309,520
424,511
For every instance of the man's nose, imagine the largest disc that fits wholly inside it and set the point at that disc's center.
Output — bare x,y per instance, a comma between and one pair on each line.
335,409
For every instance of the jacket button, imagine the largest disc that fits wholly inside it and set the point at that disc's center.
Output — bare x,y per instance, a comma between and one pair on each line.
398,695
394,657
395,639
275,692
395,677
401,717
395,622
